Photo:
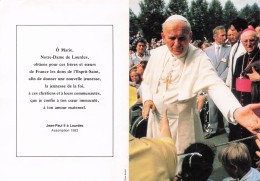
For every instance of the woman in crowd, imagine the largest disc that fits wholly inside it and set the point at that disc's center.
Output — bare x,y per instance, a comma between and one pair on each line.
134,78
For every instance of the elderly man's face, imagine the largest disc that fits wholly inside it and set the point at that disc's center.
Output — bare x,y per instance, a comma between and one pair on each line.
176,36
249,41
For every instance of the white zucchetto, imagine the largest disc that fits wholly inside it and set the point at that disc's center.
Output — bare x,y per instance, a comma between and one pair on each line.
177,17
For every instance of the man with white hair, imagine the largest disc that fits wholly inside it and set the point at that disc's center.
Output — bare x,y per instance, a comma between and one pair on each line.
174,75
246,65
246,89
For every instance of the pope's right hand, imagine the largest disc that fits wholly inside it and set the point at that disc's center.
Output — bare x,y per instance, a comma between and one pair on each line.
146,108
258,144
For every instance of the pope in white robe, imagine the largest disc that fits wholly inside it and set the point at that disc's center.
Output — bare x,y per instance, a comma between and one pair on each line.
175,73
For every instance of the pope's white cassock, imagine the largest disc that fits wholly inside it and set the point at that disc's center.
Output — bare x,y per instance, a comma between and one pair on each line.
173,82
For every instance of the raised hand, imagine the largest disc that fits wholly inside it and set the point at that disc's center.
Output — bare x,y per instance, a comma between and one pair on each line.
164,125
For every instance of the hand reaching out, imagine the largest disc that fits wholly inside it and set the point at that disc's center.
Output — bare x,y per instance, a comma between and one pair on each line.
164,125
247,118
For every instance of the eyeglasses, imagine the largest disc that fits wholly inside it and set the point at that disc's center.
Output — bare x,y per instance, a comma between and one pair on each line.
250,41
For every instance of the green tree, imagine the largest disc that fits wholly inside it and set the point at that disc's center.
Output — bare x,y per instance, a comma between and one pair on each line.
255,13
229,13
133,21
177,7
198,17
151,18
216,16
245,13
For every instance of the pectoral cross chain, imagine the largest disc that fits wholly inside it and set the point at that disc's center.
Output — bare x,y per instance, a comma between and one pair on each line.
168,81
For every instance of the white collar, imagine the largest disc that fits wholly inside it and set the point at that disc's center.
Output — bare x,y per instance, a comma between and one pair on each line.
248,175
216,46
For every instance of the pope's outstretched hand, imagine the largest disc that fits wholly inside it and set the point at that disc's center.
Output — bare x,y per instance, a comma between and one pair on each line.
247,118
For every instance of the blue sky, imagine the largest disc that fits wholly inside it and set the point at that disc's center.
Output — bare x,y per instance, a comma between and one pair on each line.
134,4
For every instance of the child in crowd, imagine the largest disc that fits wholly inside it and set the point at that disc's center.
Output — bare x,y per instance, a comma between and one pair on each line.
197,164
237,162
134,78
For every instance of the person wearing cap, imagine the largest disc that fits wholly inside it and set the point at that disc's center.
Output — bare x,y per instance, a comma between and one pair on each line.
174,75
246,90
246,65
219,56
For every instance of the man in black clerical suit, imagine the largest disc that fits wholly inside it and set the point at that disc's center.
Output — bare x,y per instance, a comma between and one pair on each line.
243,88
247,63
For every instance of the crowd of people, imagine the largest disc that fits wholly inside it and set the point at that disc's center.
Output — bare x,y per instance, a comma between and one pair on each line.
173,76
